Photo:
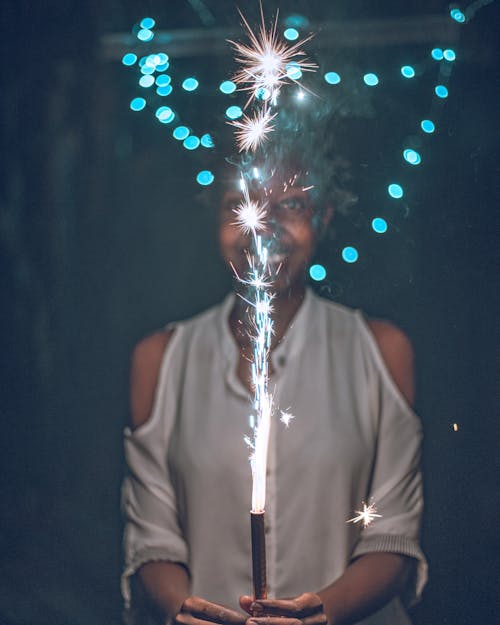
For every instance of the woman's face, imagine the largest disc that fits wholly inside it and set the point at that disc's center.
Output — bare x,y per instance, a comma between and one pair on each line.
290,234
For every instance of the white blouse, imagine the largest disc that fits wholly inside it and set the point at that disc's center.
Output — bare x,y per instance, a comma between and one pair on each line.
353,439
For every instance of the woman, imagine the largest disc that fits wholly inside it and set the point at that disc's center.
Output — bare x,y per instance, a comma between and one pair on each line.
354,438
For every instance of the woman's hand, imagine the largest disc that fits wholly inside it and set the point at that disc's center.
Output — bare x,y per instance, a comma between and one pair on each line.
306,609
197,611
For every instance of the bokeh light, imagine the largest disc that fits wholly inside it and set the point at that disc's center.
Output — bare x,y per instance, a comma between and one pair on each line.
371,79
233,112
379,225
293,70
180,133
190,84
350,254
164,91
165,114
192,142
296,21
163,80
437,54
129,59
145,34
207,141
205,178
148,69
291,34
147,23
408,71
457,15
228,86
332,78
138,104
262,93
449,54
146,81
441,91
395,191
317,272
412,156
427,126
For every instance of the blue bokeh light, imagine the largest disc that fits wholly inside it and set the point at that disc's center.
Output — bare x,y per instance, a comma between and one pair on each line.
379,225
192,142
205,178
441,91
146,81
297,21
437,54
317,272
350,254
142,61
457,15
147,23
164,91
332,78
180,133
427,126
395,191
145,34
412,156
190,84
163,80
449,54
234,112
138,104
129,59
262,93
291,34
147,69
293,70
228,86
371,79
207,141
408,71
162,66
165,114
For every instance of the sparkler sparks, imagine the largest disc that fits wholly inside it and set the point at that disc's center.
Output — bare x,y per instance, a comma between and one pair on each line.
253,130
266,60
250,215
366,516
286,417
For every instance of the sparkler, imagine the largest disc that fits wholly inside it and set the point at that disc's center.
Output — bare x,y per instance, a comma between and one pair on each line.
253,130
366,516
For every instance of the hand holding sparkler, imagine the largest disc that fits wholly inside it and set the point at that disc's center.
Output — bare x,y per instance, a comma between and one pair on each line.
198,611
306,609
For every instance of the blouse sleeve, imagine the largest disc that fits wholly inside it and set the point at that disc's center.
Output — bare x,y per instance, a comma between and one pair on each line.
396,484
152,530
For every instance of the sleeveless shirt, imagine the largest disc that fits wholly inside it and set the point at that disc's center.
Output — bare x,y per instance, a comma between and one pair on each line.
353,439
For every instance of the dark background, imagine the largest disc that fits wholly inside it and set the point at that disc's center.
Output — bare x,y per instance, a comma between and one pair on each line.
104,239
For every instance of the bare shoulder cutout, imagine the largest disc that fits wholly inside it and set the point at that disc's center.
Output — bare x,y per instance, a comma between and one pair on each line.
144,371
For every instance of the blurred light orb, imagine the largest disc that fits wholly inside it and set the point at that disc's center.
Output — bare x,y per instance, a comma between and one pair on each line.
145,34
408,71
164,91
146,81
207,141
147,69
379,225
205,178
129,59
457,15
163,80
437,54
262,93
228,86
441,91
162,66
293,70
300,94
138,104
350,254
163,58
147,23
449,54
371,79
332,78
395,191
192,142
296,21
180,133
427,126
165,114
317,272
291,34
153,60
142,61
190,84
412,157
234,112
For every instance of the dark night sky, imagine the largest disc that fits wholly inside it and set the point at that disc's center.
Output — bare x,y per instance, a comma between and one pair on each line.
96,207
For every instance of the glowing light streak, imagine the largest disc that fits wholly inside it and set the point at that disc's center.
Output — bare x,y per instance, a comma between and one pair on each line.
251,131
264,60
365,516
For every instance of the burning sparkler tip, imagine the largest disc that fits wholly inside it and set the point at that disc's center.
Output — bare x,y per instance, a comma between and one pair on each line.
366,516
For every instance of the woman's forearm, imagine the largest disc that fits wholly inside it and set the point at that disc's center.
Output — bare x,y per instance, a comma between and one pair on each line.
367,584
166,584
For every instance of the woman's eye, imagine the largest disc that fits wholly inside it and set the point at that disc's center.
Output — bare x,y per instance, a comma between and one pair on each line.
292,204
